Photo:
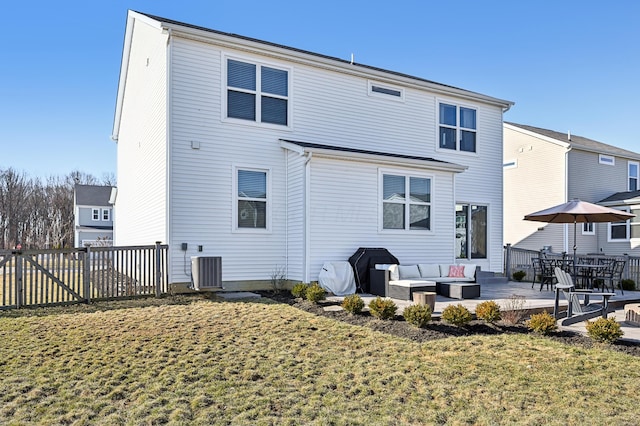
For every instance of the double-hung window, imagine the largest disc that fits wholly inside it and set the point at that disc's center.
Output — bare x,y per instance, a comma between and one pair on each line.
457,129
619,231
588,228
633,175
406,202
257,93
106,214
252,203
95,214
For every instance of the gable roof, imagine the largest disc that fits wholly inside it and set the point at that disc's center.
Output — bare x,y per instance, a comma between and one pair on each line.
362,154
578,142
285,52
92,195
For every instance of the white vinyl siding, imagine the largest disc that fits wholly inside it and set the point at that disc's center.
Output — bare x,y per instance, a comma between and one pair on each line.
343,212
538,182
329,108
142,143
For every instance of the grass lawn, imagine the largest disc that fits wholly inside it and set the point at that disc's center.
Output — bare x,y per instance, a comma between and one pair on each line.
198,361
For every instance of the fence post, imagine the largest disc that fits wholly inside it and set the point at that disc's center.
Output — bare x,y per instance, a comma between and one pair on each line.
86,275
158,272
625,273
507,265
19,286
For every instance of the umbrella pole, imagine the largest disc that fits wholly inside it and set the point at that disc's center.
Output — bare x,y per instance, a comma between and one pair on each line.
575,225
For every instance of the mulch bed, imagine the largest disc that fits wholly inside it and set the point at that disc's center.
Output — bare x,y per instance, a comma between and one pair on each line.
440,330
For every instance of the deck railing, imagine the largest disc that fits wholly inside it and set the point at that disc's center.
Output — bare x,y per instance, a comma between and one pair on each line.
517,259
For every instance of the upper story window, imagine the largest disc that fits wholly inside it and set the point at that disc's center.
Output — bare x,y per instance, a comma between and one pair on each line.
106,214
252,202
406,202
457,130
607,159
257,93
95,214
588,228
633,175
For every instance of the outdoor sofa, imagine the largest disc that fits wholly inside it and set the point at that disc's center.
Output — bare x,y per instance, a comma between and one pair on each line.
401,281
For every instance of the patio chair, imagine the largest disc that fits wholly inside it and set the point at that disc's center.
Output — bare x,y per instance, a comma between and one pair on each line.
548,276
537,270
577,310
612,275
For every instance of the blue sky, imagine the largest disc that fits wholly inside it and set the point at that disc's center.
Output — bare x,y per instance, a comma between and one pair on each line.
568,65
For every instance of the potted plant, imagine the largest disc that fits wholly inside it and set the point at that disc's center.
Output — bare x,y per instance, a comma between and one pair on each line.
519,275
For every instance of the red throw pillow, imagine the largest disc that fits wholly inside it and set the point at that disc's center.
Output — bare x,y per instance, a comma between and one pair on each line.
456,271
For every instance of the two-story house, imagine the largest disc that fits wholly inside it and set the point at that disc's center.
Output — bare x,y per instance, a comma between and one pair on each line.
93,215
274,157
543,168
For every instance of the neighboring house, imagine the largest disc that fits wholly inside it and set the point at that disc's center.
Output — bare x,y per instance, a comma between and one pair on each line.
543,168
274,157
93,214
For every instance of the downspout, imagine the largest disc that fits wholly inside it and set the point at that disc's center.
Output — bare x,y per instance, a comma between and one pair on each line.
286,213
169,169
307,220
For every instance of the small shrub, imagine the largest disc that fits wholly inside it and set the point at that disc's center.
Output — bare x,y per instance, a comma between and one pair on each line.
488,311
383,308
418,315
628,284
315,293
605,330
513,310
457,315
519,275
543,323
278,279
299,290
353,304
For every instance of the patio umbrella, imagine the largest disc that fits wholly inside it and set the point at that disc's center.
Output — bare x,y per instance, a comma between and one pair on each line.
577,211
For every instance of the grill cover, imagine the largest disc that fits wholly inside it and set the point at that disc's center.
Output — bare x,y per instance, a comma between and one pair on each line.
366,258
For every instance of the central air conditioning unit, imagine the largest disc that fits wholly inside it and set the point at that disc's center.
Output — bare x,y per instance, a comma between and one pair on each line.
206,273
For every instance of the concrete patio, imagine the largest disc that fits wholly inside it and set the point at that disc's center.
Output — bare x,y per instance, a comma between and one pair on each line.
533,300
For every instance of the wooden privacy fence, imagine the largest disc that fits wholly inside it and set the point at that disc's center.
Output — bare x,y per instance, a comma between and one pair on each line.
79,275
516,259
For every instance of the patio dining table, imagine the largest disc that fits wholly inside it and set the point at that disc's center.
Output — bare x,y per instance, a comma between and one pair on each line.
591,270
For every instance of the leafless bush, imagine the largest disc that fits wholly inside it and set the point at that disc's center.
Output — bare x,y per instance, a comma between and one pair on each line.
278,278
513,311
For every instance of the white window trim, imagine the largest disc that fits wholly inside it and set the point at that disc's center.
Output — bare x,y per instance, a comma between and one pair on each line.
628,225
637,176
371,84
406,174
108,212
469,204
457,104
593,229
257,123
94,213
608,160
234,198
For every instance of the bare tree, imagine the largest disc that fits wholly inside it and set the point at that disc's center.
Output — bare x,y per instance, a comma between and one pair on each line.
38,215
